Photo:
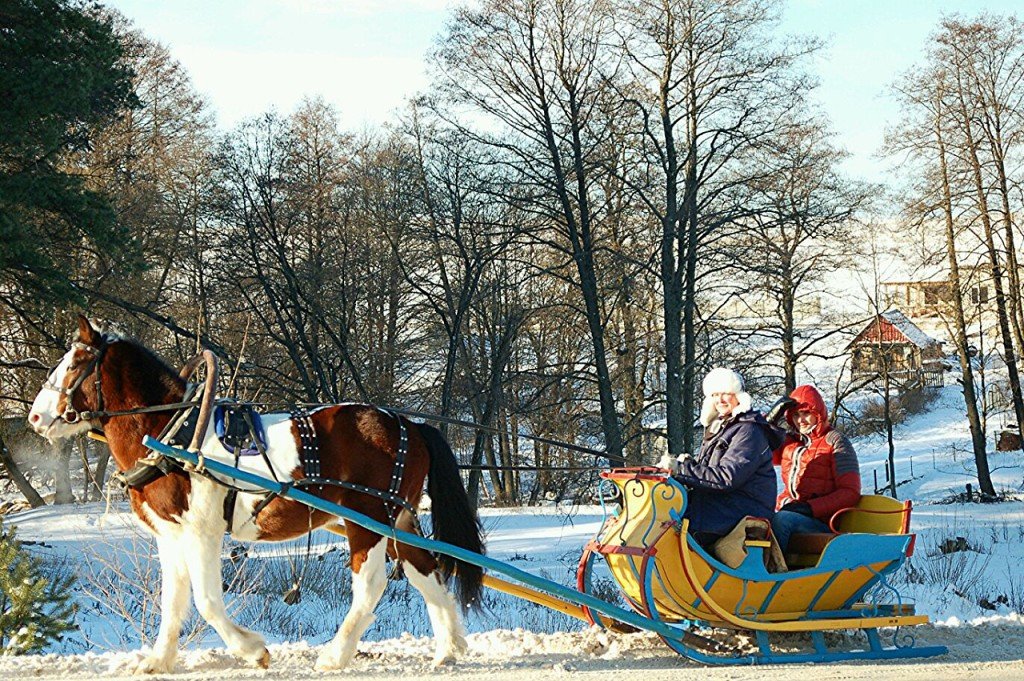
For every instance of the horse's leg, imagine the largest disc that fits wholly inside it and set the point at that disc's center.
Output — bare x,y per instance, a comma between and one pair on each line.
174,595
444,617
369,579
203,555
421,570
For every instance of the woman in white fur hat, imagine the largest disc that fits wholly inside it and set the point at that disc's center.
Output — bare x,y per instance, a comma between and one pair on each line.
732,475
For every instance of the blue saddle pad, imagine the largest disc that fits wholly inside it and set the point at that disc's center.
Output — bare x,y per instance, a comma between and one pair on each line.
234,433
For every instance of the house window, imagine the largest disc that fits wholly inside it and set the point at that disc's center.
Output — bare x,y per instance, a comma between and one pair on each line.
979,295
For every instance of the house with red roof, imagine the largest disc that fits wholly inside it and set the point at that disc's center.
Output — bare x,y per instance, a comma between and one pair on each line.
892,343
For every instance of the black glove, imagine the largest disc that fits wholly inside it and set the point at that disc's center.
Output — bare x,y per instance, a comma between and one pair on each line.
777,413
801,507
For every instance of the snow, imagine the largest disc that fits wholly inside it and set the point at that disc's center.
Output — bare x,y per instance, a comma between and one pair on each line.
909,329
975,598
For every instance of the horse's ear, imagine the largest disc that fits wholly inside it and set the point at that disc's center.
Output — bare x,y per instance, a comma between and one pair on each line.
86,333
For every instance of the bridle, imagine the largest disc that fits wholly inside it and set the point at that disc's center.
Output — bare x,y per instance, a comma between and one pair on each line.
70,414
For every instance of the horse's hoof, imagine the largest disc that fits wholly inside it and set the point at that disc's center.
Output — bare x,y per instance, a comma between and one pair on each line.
444,660
328,661
153,665
264,660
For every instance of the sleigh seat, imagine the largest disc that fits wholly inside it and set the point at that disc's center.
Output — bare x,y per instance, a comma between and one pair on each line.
873,514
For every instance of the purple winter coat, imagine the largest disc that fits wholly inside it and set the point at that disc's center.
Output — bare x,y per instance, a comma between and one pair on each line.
732,476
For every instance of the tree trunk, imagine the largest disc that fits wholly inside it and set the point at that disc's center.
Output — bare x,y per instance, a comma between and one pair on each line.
497,477
960,324
606,395
1009,356
19,480
677,416
476,475
62,473
788,341
1011,249
511,477
86,471
689,339
101,469
887,416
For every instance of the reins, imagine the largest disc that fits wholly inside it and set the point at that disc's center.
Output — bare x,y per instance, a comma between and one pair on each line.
175,406
497,431
207,400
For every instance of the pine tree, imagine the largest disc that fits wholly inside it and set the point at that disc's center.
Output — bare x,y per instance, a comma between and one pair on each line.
63,78
34,606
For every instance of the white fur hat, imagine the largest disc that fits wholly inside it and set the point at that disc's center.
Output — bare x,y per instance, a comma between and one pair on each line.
722,380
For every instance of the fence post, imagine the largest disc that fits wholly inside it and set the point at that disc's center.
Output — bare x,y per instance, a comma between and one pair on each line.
911,468
875,471
970,496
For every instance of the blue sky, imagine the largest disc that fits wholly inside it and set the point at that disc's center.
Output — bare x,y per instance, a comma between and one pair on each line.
367,56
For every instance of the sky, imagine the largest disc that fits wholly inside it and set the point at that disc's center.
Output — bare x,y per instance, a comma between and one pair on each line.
367,57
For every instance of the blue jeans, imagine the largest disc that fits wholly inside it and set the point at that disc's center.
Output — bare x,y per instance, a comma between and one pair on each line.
786,523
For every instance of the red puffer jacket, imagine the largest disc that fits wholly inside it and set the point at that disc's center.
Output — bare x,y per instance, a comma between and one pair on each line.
820,469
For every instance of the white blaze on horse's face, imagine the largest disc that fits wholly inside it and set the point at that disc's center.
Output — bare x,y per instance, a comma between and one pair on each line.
44,417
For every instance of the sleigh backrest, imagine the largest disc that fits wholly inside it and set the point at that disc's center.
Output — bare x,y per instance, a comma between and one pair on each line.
874,514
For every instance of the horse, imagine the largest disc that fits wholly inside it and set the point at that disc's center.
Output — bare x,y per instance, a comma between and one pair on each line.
106,382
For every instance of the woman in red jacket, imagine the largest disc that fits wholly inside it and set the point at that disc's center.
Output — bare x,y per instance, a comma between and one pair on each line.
820,474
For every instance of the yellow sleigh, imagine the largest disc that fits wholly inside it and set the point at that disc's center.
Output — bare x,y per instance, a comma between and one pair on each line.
834,584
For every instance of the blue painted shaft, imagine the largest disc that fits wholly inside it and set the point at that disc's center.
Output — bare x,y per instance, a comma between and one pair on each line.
539,583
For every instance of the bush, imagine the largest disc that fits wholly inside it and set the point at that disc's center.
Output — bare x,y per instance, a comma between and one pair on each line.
34,607
871,418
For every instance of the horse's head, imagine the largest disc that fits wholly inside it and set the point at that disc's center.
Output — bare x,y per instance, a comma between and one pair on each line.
72,391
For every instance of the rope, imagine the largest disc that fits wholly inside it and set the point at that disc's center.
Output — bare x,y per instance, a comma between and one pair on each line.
459,422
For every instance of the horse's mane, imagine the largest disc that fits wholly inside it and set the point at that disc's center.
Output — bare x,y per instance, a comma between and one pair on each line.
167,375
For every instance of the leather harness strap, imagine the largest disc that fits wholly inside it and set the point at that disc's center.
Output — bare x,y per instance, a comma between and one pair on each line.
309,457
309,448
403,447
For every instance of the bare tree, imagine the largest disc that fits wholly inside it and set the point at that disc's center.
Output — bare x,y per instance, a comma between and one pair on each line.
536,68
964,107
802,232
709,84
290,251
925,137
992,53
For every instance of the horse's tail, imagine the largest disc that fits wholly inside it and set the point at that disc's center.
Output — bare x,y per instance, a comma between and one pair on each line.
455,521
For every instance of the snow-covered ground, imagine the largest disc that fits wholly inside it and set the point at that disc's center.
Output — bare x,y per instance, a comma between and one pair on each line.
975,597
